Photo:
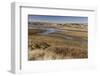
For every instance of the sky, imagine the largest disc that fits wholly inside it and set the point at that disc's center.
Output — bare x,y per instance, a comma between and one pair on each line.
57,19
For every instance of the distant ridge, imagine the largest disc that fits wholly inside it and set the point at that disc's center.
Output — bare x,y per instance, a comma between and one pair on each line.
41,23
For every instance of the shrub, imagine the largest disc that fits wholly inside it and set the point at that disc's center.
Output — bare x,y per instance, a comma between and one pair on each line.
72,52
39,45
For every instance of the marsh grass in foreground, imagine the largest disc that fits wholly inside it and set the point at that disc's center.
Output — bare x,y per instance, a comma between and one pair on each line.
57,52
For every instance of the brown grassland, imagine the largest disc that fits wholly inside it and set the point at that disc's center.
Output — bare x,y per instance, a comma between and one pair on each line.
57,41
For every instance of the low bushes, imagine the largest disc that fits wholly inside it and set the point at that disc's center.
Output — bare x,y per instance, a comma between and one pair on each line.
47,52
39,45
73,52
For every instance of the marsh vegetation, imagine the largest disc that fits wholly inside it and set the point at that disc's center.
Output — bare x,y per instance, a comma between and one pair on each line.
49,41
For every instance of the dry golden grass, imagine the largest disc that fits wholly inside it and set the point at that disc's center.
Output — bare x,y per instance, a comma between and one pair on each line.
55,48
58,52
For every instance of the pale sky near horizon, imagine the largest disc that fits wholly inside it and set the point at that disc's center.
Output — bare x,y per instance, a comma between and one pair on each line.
57,19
